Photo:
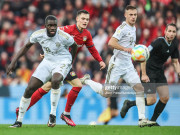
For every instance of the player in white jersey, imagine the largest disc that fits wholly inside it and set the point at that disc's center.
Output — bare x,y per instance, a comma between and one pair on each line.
121,66
55,65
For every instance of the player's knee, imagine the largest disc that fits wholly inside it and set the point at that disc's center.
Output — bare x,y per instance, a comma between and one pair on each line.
56,83
46,87
28,92
164,99
151,101
138,87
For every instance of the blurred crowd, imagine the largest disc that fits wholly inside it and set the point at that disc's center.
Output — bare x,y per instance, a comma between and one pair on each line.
19,18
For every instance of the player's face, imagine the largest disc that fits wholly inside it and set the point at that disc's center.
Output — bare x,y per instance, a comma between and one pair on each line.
170,33
131,16
51,27
82,20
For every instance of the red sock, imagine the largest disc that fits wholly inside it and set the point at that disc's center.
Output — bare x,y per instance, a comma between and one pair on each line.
37,95
72,98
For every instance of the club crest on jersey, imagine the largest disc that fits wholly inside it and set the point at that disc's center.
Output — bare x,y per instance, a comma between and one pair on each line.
57,44
72,73
84,38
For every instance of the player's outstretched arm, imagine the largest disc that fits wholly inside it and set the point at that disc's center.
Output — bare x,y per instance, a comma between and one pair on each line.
21,52
113,42
74,49
144,76
176,65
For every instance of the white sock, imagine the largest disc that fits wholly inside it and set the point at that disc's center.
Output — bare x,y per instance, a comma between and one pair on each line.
24,104
140,103
55,96
66,113
97,87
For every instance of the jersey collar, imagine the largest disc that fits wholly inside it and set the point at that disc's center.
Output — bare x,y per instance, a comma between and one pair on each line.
78,29
129,26
166,41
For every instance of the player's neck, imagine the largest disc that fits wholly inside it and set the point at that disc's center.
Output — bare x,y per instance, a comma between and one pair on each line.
132,25
79,28
169,41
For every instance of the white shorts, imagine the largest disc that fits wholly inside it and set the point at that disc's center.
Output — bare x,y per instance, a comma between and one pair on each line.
46,69
115,72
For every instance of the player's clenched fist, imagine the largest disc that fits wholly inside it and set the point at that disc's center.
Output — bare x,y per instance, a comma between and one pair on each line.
145,78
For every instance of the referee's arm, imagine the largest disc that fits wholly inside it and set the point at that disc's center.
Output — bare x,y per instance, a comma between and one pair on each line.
175,63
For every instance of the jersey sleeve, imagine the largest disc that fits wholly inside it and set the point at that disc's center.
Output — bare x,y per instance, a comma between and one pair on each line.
118,33
175,54
89,41
33,37
66,38
154,45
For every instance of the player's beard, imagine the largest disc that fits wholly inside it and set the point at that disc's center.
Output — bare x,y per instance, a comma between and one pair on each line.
49,34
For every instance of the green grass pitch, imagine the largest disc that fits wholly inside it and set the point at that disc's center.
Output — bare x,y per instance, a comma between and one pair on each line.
88,130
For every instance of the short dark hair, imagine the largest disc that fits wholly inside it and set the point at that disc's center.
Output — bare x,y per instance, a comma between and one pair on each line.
130,7
50,17
171,24
82,11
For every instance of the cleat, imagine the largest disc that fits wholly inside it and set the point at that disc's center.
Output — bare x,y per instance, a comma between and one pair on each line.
17,124
142,123
17,112
125,108
67,119
152,123
84,78
51,121
146,122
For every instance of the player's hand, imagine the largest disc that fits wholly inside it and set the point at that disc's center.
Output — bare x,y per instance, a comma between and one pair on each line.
128,50
42,56
10,68
102,65
145,78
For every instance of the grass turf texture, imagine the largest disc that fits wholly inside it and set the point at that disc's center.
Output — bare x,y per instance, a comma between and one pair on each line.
88,130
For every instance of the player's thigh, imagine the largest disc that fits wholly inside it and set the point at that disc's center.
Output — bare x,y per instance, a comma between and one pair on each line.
113,74
132,78
75,82
72,79
62,68
163,92
43,71
47,86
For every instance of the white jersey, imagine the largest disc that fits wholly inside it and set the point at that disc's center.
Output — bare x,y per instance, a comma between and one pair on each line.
126,36
55,48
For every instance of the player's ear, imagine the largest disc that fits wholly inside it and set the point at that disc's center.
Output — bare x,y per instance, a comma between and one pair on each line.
125,14
77,18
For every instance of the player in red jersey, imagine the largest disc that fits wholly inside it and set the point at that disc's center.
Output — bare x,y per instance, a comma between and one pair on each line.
82,37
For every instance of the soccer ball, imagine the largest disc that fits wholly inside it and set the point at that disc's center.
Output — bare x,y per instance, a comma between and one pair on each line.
140,53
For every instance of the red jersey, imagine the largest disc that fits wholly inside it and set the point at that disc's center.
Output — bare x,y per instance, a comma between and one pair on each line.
82,38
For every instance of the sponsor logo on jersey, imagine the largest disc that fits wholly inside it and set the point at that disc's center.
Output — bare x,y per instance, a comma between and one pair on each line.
84,38
72,73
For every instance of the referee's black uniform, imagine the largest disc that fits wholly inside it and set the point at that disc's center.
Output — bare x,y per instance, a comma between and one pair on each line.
160,50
